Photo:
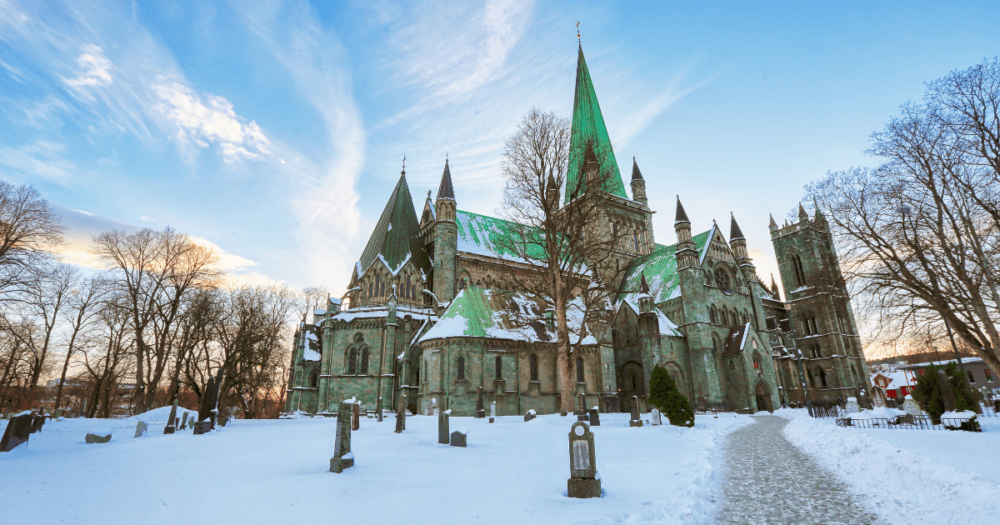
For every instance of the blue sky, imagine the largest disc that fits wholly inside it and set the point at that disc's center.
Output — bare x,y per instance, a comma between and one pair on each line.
274,130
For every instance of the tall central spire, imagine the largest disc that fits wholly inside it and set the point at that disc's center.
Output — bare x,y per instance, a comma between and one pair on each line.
588,130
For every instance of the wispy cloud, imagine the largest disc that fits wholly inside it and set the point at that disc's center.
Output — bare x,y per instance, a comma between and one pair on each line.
41,159
95,68
633,123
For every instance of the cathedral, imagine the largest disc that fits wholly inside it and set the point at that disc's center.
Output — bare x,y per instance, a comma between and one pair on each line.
426,317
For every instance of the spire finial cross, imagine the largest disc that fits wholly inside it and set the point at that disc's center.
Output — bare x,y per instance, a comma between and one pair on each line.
578,32
404,165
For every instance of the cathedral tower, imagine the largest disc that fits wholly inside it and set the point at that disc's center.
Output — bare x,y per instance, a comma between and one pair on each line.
445,239
739,245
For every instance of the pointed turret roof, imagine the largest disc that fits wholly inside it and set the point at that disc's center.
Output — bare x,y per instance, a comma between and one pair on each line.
774,287
636,174
773,225
682,216
734,229
643,285
396,237
588,131
445,190
803,216
819,213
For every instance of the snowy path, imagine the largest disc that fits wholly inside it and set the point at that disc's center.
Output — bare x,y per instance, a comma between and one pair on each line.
769,480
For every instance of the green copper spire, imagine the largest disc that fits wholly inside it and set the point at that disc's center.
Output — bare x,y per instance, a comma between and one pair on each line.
589,129
397,234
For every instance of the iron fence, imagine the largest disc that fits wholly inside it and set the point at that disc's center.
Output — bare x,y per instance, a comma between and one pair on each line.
911,422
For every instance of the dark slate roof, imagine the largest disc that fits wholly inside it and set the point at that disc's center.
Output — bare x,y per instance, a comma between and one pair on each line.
445,190
396,237
636,174
735,341
588,129
681,216
734,229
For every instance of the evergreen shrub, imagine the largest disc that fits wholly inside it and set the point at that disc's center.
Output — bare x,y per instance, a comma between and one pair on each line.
663,394
927,392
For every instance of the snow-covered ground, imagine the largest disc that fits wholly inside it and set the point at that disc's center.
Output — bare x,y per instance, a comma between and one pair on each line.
276,471
910,476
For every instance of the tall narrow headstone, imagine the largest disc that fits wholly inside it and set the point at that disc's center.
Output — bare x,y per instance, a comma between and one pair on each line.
18,431
581,411
480,411
342,456
356,416
184,420
947,393
595,417
37,423
443,434
636,420
169,429
583,480
431,407
493,411
401,414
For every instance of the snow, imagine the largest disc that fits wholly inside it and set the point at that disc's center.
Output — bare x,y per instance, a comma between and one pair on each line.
311,355
909,476
266,471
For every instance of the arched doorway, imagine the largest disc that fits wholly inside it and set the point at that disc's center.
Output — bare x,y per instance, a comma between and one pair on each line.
632,384
763,397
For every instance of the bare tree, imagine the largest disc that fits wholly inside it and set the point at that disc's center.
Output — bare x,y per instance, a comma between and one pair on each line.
84,307
28,229
566,255
312,298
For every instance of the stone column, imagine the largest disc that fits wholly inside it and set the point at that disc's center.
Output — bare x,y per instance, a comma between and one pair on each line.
443,432
401,413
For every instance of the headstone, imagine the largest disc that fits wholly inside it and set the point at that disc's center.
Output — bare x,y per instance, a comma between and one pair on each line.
431,407
654,417
853,407
529,415
595,417
98,438
140,428
37,423
184,420
911,407
583,480
459,437
443,435
202,427
610,403
172,420
947,393
223,419
480,411
342,456
207,409
401,414
636,420
356,416
581,411
493,411
18,430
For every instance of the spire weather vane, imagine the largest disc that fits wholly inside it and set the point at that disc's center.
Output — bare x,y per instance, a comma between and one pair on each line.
404,164
578,31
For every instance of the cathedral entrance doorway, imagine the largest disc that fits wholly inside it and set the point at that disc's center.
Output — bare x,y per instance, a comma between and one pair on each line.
763,397
632,383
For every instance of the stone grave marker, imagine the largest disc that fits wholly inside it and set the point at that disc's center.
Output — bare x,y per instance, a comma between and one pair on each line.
343,458
595,417
911,407
493,411
37,423
947,393
443,435
480,411
583,479
172,420
98,438
654,417
529,415
18,431
636,420
852,405
140,428
223,419
401,414
581,411
431,407
184,420
356,416
459,437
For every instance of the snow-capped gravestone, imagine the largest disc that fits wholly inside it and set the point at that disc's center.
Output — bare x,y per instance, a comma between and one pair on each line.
583,480
443,434
356,416
431,407
911,407
401,414
172,420
852,405
595,417
140,428
342,456
459,437
18,430
493,411
581,411
529,415
654,417
636,420
480,411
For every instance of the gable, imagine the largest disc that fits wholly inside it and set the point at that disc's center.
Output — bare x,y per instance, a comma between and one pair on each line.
396,238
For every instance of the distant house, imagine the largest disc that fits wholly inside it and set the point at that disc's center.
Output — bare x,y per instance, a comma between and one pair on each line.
979,374
895,385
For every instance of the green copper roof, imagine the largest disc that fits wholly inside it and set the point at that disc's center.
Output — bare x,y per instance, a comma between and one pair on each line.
588,128
396,238
660,269
493,237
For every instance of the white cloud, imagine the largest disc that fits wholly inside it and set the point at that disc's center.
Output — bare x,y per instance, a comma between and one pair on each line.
40,159
95,68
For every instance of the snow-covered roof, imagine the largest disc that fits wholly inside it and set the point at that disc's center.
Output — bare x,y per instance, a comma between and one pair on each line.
492,237
660,269
667,327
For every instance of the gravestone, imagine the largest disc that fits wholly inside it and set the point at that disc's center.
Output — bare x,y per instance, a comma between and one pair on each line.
493,411
583,480
595,417
140,428
98,438
223,419
947,393
172,420
401,414
581,411
18,431
37,423
443,435
431,407
343,458
852,405
636,420
480,411
529,415
209,405
911,407
184,420
610,404
654,417
356,416
459,437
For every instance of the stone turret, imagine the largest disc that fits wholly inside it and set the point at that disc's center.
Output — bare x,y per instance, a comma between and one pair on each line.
687,255
739,245
445,238
552,193
638,185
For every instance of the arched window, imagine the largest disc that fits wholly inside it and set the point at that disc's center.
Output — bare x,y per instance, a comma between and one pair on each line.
352,361
722,279
712,315
579,370
406,291
716,344
369,290
314,379
378,286
461,369
800,274
756,364
635,240
731,365
363,370
822,376
533,367
498,366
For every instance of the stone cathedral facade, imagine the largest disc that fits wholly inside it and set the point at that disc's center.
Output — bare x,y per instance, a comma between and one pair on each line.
424,315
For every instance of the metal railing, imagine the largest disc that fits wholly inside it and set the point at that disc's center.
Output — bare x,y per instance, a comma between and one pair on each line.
911,422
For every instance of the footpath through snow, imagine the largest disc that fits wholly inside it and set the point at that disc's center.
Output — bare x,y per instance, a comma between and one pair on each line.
899,484
276,471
